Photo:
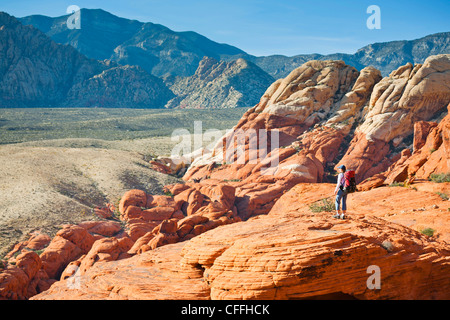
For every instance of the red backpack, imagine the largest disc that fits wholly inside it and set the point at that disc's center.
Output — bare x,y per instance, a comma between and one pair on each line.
349,181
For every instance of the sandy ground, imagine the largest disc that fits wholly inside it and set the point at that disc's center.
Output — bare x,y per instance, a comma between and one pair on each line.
49,183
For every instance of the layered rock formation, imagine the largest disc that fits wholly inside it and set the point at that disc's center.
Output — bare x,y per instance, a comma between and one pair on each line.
151,221
37,72
28,273
325,114
291,253
410,94
312,111
430,155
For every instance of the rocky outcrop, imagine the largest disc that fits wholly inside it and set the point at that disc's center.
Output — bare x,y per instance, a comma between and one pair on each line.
324,113
310,113
151,221
25,273
430,156
291,253
410,94
154,220
327,113
220,85
37,72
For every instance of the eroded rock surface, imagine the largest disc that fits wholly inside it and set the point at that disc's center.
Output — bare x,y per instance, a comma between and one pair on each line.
291,253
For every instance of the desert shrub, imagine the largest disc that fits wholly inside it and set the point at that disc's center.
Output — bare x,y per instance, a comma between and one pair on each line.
428,232
440,177
326,205
443,196
397,184
169,194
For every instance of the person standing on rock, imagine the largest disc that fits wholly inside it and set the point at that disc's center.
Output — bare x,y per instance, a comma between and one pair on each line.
341,195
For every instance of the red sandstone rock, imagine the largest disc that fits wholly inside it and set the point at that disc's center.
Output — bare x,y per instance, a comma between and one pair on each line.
68,245
136,198
37,241
290,253
105,212
24,279
314,131
160,167
409,94
103,228
155,274
431,145
421,131
106,249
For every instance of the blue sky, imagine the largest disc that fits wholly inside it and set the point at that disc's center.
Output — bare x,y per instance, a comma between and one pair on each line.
270,27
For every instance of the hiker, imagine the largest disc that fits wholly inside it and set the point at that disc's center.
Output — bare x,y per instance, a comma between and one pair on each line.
341,195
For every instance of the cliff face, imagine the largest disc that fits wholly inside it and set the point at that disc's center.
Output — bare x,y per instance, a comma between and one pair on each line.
37,72
326,114
323,103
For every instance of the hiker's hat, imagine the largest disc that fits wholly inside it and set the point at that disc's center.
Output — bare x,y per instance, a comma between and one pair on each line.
342,167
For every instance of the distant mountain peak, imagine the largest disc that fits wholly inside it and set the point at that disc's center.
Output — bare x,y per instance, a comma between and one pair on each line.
37,72
156,48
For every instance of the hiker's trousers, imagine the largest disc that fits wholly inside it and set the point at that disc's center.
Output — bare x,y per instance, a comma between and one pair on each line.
341,197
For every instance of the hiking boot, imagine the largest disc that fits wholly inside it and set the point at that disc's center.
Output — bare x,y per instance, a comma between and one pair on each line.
342,216
337,216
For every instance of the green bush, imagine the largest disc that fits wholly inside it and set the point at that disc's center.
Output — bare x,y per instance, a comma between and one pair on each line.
443,196
428,232
326,205
440,177
397,184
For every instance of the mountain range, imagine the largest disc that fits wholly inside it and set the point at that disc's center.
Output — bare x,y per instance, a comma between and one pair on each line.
162,51
128,63
37,72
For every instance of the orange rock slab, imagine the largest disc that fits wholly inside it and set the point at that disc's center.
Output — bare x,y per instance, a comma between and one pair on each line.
291,253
